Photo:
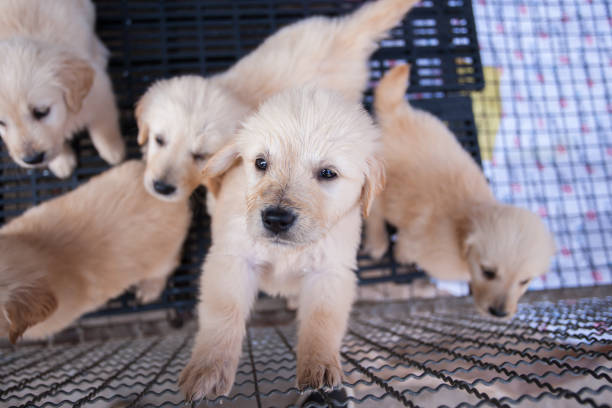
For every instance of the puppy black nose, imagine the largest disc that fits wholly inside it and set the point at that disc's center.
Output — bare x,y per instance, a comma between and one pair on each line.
163,188
498,311
277,219
34,158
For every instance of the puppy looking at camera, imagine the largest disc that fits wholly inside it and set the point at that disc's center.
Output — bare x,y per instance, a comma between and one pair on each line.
186,119
295,183
447,218
53,83
71,254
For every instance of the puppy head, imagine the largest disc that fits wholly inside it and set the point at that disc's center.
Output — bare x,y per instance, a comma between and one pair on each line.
309,158
25,296
42,88
506,248
182,121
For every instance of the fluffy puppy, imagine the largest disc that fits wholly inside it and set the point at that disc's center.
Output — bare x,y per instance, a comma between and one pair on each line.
186,119
287,220
53,83
447,218
71,254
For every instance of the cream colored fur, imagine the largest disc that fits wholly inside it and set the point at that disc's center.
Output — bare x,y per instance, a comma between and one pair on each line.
71,254
447,218
197,115
299,132
51,58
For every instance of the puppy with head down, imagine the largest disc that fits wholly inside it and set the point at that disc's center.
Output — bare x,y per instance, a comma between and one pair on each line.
53,83
186,119
294,185
447,218
71,254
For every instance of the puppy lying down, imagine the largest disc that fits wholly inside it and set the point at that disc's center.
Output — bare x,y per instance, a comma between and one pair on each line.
71,254
53,82
447,218
186,119
287,220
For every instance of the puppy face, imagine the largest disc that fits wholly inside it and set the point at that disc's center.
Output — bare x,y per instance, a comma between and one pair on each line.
506,248
183,121
41,89
309,158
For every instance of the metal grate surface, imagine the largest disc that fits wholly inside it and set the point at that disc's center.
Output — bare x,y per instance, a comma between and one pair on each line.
149,40
555,352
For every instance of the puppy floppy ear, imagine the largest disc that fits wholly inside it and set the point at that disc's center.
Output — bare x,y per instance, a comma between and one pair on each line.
464,228
143,128
76,77
218,165
28,306
374,184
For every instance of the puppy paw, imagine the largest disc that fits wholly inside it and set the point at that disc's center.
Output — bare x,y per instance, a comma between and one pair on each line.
149,290
318,372
63,165
375,249
113,154
208,377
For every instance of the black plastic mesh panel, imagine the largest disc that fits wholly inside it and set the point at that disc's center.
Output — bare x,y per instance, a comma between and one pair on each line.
555,352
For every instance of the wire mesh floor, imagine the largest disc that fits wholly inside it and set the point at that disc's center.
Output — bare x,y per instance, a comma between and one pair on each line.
556,351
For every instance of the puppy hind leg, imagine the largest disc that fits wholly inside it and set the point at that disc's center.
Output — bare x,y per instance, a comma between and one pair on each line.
104,123
376,240
227,293
325,304
63,165
405,250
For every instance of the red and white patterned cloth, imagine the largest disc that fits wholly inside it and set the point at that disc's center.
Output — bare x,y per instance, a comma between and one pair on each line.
553,149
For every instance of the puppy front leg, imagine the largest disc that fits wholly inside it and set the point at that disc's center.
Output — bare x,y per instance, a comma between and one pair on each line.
376,239
227,290
325,305
104,121
147,290
63,165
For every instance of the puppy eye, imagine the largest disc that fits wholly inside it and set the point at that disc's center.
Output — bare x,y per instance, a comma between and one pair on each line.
160,140
40,113
199,156
261,164
327,174
2,123
489,273
524,282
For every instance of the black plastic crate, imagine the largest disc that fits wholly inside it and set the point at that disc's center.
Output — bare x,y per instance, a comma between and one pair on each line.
152,39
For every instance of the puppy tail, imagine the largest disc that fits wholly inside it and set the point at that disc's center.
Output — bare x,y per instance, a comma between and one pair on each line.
389,93
373,20
26,306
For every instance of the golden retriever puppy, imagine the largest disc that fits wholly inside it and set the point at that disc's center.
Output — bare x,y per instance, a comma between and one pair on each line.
447,218
71,254
287,221
53,82
186,119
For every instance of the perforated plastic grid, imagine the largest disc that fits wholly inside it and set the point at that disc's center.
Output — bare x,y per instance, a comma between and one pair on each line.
157,39
153,39
555,352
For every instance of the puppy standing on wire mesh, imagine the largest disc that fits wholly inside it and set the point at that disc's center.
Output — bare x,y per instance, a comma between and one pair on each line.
447,218
53,82
295,183
186,119
70,255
